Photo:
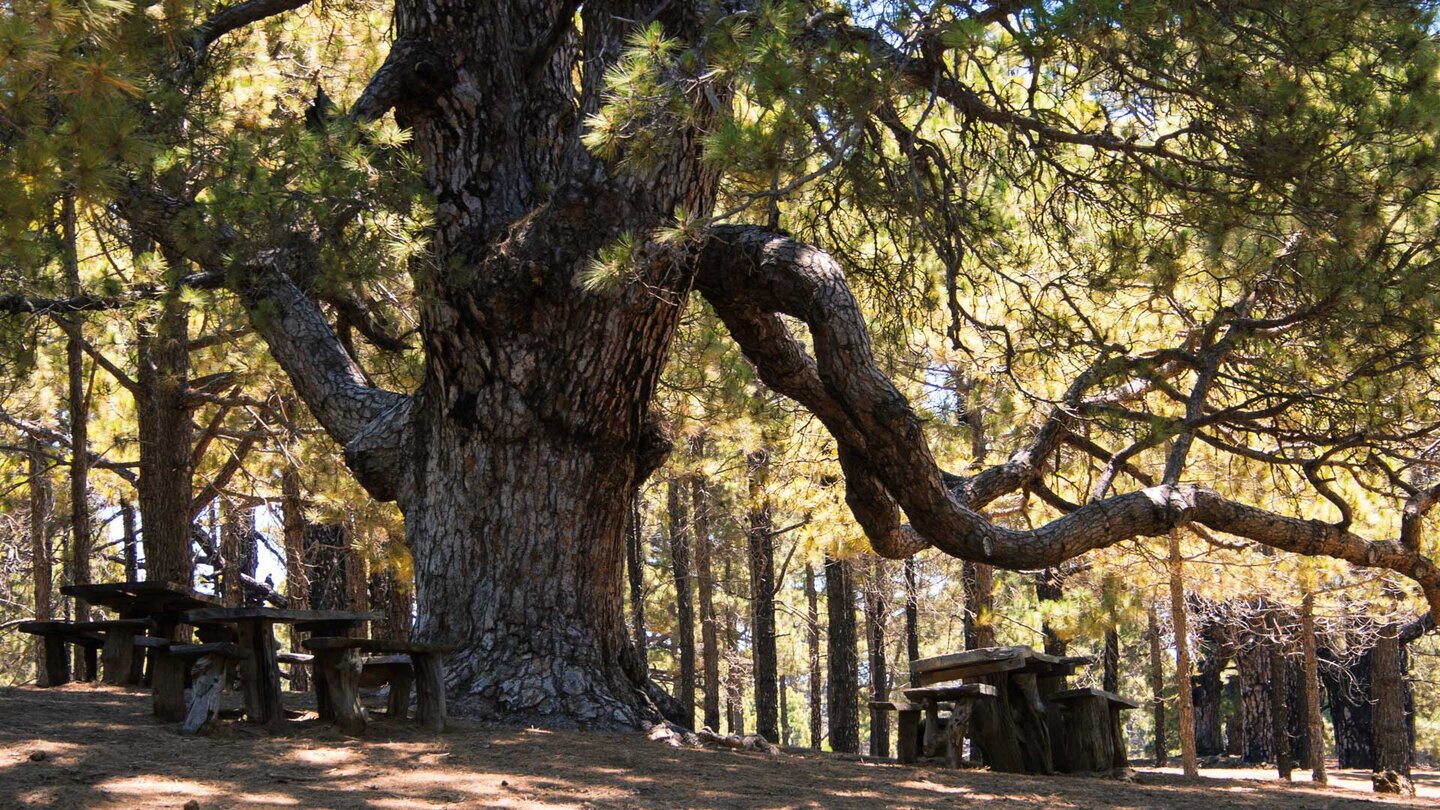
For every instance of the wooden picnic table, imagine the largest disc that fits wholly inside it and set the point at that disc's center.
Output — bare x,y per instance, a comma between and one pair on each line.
251,629
1017,732
157,601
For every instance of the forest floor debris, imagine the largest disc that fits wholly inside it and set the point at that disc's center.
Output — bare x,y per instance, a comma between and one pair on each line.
103,749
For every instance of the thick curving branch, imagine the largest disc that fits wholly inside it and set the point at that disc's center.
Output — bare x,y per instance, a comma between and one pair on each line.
752,276
371,423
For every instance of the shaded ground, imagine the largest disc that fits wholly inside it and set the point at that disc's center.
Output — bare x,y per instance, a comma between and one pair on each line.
102,749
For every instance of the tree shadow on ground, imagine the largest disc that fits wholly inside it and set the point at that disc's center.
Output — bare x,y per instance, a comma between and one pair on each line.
102,748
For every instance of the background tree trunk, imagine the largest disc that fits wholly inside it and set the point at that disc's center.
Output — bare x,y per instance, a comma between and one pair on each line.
41,576
635,567
979,584
710,651
1348,686
1280,711
876,610
912,618
1049,587
1186,721
1315,722
164,428
812,643
680,527
1157,685
297,575
843,692
78,411
1253,661
760,542
129,542
1387,693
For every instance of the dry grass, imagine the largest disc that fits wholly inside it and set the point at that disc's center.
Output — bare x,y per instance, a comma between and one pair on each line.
103,749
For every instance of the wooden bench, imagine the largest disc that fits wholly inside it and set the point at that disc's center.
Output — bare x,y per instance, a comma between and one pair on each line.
56,635
340,668
1093,733
117,652
966,697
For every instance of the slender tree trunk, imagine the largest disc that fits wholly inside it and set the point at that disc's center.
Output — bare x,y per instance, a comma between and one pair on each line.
1157,685
760,541
635,567
876,610
680,528
1110,678
912,618
231,553
129,541
812,643
1313,718
1280,711
784,711
1186,721
734,672
843,693
164,427
78,409
979,582
297,575
1049,587
710,651
41,500
1387,693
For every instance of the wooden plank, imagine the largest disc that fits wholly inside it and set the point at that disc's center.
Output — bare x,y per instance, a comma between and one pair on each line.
224,615
373,645
950,691
220,649
985,655
1090,691
286,657
141,597
982,669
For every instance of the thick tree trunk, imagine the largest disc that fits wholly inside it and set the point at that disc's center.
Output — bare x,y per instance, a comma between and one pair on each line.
635,568
1387,694
876,610
1234,717
680,544
1347,684
1280,711
1253,661
1157,685
41,576
1208,690
979,583
709,645
912,618
760,543
812,645
164,428
843,693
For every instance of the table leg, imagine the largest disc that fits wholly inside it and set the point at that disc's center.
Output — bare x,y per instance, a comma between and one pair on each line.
340,671
260,672
168,676
908,744
57,660
118,655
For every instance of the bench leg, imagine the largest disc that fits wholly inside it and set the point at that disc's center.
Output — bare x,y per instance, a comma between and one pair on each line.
400,688
91,658
1121,758
907,743
955,734
118,655
260,673
57,660
430,682
341,673
167,678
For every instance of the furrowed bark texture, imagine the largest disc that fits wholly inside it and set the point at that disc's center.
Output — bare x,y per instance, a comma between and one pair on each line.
709,641
41,498
760,542
164,427
812,646
680,545
842,696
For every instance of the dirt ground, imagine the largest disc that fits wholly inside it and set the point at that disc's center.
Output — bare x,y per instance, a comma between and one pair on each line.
84,746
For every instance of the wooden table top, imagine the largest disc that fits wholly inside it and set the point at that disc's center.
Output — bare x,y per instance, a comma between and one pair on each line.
230,615
141,597
993,661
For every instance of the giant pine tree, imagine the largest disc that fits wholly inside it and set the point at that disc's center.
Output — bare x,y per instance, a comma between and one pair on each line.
575,153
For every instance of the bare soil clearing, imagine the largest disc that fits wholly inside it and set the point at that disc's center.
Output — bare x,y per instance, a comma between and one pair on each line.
83,746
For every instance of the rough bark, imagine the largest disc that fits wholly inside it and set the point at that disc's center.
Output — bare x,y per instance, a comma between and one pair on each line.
1256,677
680,529
164,427
760,542
1347,684
877,609
1050,587
129,541
1157,685
232,553
812,645
709,645
78,412
1387,694
1111,675
979,586
842,695
389,597
1280,711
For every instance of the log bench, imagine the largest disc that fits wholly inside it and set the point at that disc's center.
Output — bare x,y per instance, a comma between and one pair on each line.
966,699
55,636
341,669
210,676
1093,732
